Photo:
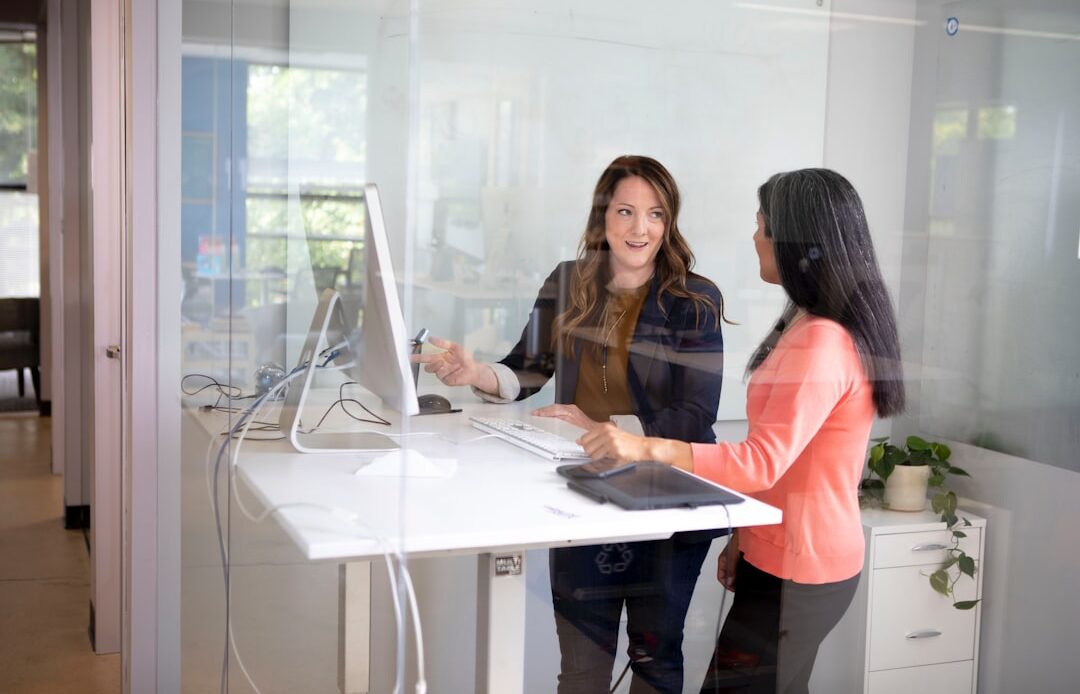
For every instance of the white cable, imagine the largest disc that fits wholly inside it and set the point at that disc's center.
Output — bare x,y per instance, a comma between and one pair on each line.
421,683
252,412
239,661
257,405
421,677
391,576
477,438
351,517
340,345
250,415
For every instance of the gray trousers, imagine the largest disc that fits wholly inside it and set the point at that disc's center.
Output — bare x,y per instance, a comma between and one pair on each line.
770,639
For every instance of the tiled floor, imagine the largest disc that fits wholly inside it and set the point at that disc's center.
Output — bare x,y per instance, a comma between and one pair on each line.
44,575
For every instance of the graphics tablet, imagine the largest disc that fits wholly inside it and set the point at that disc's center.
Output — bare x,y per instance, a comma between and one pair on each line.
650,485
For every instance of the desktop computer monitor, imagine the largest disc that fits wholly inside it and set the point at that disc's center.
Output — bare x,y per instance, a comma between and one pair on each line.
378,356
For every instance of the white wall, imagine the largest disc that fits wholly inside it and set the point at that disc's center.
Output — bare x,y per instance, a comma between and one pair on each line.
1030,614
871,50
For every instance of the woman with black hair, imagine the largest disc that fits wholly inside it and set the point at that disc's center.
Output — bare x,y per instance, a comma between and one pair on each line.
631,335
816,381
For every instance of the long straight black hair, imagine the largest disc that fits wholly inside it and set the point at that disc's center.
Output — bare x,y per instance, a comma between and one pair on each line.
827,266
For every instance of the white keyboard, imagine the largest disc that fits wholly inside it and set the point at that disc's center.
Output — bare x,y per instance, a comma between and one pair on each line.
532,439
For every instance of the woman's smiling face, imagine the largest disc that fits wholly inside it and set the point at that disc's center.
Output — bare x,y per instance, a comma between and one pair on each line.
634,225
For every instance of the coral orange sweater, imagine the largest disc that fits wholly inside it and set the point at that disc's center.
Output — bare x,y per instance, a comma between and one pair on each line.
810,409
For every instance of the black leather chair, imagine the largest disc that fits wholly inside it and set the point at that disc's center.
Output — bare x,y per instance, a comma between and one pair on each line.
20,340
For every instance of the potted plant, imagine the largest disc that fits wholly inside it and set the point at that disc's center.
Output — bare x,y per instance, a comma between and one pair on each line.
903,476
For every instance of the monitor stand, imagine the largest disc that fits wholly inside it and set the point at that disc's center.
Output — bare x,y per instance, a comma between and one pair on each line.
289,421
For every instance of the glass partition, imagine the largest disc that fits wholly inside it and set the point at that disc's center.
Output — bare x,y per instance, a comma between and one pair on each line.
486,127
519,108
990,279
1002,243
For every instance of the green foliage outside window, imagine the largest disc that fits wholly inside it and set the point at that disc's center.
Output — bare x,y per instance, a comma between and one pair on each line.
18,109
321,217
327,155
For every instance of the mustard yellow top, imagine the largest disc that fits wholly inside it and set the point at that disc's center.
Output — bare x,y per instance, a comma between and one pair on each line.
617,332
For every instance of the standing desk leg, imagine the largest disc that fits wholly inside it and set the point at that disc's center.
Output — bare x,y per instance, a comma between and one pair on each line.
354,627
500,624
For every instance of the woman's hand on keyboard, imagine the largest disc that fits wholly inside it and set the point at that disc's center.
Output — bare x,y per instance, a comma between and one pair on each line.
456,366
571,414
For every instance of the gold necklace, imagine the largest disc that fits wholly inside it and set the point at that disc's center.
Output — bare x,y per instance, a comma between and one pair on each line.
603,359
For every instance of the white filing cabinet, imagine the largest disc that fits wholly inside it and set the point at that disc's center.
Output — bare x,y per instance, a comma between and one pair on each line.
900,636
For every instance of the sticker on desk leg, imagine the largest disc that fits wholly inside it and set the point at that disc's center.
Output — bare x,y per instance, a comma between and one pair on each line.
508,565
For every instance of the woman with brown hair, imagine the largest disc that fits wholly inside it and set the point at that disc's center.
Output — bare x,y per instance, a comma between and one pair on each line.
631,336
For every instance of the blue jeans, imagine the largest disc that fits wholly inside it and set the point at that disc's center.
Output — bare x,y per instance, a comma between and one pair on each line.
589,586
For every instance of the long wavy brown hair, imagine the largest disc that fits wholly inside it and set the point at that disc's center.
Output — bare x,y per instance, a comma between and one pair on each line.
592,272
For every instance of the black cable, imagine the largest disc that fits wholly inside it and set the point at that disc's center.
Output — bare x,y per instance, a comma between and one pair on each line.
343,399
225,390
263,426
619,681
248,437
723,602
376,419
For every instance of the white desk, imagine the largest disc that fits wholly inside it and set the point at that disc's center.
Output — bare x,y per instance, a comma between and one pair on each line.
501,501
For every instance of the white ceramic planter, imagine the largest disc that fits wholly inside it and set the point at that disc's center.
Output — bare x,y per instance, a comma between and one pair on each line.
905,490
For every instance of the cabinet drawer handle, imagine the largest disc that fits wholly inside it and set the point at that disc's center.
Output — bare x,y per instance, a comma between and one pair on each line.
922,634
929,547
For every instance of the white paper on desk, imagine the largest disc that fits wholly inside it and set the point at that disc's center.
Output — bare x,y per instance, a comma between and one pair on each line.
408,463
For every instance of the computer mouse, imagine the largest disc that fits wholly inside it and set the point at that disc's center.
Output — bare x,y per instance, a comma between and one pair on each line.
434,404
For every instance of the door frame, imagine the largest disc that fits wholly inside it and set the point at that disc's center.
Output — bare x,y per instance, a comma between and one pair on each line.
106,376
151,467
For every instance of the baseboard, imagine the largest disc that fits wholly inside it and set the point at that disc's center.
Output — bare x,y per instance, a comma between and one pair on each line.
45,408
90,628
76,517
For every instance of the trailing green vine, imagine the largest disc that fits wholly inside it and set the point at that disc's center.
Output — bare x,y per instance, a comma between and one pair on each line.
884,457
